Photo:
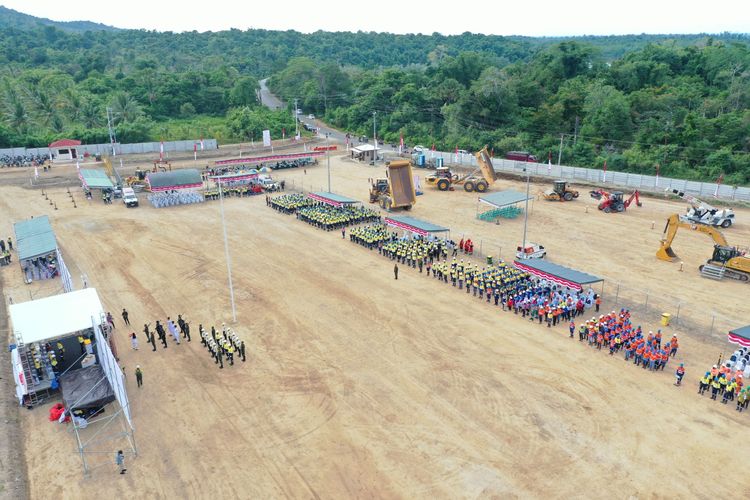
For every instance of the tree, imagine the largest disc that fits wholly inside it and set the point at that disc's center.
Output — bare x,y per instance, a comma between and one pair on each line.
125,108
244,92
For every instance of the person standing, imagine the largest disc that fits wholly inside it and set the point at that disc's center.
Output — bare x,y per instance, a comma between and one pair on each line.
10,243
125,317
120,461
148,334
110,320
242,350
134,341
395,271
181,324
343,233
61,351
153,342
138,375
679,373
186,329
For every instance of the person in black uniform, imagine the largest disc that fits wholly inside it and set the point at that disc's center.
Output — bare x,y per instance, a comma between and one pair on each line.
242,350
162,335
152,340
181,324
148,334
125,316
186,329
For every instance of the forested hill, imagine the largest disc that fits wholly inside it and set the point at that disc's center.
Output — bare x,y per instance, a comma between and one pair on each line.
637,101
10,18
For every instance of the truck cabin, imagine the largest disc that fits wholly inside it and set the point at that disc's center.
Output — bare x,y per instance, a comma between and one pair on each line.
616,196
560,187
443,172
520,156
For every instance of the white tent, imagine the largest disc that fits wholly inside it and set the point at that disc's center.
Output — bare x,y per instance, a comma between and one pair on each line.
56,316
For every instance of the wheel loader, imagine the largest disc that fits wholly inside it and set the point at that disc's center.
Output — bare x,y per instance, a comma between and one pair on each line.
560,192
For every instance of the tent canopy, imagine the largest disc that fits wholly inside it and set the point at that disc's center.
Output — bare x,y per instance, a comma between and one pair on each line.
34,237
740,336
31,227
36,246
556,273
504,198
270,158
415,225
85,389
363,148
238,176
177,179
331,198
56,316
95,179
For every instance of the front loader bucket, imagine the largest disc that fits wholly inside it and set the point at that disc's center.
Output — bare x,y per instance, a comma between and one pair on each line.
666,253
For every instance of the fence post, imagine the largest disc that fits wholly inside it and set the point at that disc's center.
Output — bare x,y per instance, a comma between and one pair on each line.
677,318
617,294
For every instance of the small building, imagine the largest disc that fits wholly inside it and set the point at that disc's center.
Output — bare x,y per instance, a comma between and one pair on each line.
365,152
64,150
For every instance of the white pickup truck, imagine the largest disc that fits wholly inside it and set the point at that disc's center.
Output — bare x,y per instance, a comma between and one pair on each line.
129,198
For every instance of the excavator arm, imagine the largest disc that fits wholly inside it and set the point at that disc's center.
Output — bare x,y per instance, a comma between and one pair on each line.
665,251
635,196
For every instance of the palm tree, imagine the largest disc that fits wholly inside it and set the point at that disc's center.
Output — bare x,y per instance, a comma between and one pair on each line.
125,108
90,114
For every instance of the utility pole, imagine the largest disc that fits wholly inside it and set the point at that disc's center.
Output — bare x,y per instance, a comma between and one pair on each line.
112,136
374,133
575,132
296,120
559,153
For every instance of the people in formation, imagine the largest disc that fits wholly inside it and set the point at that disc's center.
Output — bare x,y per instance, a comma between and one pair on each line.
724,381
289,203
328,217
222,345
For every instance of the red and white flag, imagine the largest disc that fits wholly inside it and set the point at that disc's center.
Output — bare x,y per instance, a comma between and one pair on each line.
195,151
657,175
401,145
719,181
549,163
201,143
605,171
456,154
161,150
283,134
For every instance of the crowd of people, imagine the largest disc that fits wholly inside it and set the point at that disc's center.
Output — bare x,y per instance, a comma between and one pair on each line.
328,217
725,380
224,345
289,203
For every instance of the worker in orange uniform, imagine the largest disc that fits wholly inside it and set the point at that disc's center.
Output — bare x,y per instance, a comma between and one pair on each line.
679,373
674,345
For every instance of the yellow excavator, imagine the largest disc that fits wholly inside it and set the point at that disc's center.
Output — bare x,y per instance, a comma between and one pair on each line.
726,261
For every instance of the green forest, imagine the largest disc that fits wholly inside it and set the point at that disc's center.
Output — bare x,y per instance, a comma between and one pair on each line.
678,103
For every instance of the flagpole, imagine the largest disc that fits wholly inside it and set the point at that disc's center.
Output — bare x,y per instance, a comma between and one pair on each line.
226,253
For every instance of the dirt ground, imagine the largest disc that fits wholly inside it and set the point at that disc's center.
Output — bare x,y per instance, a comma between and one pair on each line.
357,385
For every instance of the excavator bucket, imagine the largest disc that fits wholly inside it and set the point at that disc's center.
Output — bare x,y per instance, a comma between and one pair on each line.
665,252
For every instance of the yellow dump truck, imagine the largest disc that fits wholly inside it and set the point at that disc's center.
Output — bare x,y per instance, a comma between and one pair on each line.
478,180
397,189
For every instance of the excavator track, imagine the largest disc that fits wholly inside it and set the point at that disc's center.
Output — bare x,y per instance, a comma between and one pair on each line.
736,275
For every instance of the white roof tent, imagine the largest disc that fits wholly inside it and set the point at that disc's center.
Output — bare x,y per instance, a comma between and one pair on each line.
56,316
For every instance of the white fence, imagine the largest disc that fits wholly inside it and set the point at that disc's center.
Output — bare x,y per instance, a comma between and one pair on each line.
120,149
595,176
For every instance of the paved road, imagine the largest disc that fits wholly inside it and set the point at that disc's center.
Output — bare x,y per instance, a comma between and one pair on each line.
271,101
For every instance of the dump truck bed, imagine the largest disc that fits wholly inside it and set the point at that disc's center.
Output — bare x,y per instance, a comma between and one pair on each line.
485,166
402,183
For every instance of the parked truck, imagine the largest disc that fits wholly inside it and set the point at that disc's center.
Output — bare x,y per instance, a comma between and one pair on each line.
397,189
477,180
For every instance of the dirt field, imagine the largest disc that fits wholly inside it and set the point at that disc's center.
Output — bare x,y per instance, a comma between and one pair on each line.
357,385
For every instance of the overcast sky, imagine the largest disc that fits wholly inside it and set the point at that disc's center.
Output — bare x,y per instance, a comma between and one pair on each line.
498,17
